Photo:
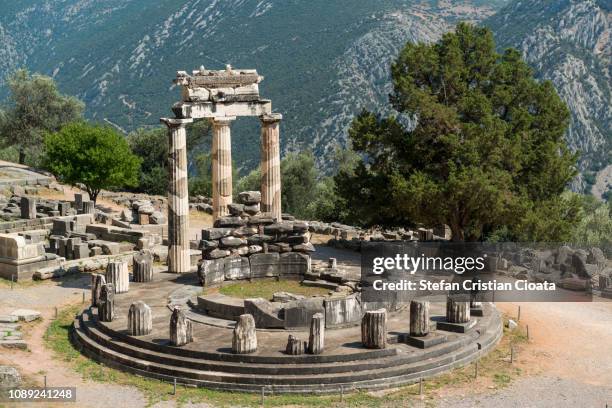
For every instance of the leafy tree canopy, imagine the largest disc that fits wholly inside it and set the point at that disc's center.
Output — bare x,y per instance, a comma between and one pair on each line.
477,144
96,156
35,106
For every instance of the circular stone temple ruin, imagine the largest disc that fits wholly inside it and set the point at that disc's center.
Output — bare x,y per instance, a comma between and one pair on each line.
147,320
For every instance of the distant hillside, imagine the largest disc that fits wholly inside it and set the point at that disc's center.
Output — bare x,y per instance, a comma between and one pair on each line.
570,43
323,60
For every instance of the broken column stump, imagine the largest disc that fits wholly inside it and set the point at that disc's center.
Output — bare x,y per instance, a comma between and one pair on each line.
245,335
181,332
118,274
374,329
97,281
316,340
140,319
143,267
419,318
457,312
28,208
295,346
106,303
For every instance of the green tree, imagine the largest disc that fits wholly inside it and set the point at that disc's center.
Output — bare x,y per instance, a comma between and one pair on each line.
151,145
35,106
477,144
96,156
299,178
595,227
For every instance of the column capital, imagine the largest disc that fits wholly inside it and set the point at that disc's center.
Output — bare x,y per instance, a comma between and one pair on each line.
222,120
271,118
174,123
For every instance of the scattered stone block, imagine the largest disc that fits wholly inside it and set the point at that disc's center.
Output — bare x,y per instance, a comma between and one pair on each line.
158,218
374,329
8,318
14,344
140,319
28,208
80,251
244,340
342,311
181,331
9,377
298,314
285,297
229,222
512,325
265,313
26,315
88,207
249,197
211,272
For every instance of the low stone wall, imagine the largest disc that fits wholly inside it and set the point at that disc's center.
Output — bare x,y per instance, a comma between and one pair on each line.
290,265
340,310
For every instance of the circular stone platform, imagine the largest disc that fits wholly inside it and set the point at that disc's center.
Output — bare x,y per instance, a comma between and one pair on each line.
345,365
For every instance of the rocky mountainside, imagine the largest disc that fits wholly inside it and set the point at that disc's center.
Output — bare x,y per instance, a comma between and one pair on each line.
570,43
322,61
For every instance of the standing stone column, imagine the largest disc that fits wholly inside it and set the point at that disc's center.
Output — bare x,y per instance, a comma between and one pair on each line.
457,312
181,331
97,281
419,318
245,335
142,267
178,197
28,208
106,304
270,165
374,329
140,319
118,274
316,340
221,166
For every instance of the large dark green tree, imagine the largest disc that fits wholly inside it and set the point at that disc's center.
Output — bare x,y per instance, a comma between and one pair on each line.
477,144
35,106
96,156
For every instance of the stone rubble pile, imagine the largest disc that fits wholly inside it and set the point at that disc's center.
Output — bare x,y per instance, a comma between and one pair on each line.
571,268
249,243
11,336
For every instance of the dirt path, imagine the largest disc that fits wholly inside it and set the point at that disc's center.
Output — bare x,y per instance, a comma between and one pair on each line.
567,363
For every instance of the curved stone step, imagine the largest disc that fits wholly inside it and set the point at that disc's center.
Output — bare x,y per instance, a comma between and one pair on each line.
262,369
259,380
389,381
